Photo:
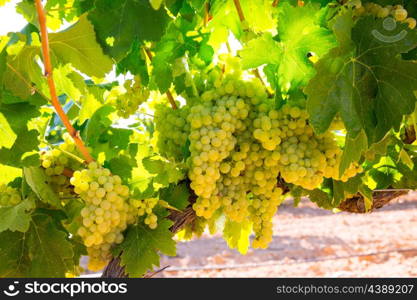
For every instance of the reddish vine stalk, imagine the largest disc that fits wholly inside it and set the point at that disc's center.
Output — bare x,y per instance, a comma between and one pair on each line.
51,83
239,10
206,13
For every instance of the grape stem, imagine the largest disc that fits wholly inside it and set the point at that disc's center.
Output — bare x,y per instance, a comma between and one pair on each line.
239,10
275,3
49,76
206,13
168,93
258,75
68,172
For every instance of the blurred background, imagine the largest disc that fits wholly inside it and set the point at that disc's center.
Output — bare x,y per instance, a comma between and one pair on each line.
312,242
308,241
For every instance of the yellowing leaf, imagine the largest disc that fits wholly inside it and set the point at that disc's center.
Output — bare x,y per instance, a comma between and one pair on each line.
237,235
8,174
7,136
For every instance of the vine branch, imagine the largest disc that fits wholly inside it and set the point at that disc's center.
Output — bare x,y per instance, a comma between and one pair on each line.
239,10
258,75
168,93
206,13
52,89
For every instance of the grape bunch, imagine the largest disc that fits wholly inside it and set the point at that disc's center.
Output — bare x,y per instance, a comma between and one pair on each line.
106,214
9,196
305,158
229,169
212,136
128,99
241,145
56,160
396,11
145,207
171,130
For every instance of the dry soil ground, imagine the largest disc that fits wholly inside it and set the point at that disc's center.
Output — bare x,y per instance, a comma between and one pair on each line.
313,242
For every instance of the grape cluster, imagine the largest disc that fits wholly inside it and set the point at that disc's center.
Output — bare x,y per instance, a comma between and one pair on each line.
56,160
241,144
106,213
305,158
229,169
214,125
171,130
396,11
9,196
128,99
145,207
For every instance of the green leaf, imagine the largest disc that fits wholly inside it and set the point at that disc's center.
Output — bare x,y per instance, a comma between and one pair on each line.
385,173
258,15
176,195
371,88
22,71
263,50
126,21
367,197
43,251
237,235
89,106
7,136
77,45
16,218
50,252
25,148
27,9
64,84
153,165
37,180
134,63
323,197
342,189
300,32
13,255
98,124
122,166
406,159
139,251
353,151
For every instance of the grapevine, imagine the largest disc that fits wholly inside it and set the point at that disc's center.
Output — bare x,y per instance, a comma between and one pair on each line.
189,118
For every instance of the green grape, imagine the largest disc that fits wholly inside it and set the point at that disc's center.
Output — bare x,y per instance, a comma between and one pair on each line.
171,130
400,14
411,22
305,158
56,160
215,123
128,100
145,208
383,12
9,196
238,166
106,214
